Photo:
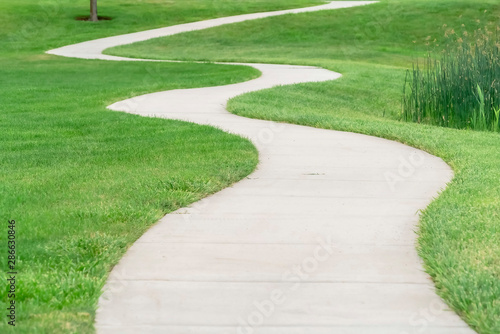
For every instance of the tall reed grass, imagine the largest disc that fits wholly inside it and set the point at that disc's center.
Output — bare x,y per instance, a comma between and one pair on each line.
458,87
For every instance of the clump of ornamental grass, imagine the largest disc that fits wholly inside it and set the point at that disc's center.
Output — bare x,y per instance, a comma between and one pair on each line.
458,87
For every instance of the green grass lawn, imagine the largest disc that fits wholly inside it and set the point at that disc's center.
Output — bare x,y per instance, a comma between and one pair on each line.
459,237
83,182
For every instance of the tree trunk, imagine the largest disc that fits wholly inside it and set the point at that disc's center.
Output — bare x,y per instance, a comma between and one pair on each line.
93,10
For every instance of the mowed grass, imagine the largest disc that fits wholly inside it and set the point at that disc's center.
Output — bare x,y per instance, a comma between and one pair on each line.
83,182
459,235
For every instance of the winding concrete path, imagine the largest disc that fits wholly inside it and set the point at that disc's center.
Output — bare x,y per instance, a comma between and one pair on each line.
319,239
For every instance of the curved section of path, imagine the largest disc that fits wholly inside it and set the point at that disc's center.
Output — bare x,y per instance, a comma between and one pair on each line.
319,239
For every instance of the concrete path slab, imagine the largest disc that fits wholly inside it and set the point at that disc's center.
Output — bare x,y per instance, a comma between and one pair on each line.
267,262
372,329
319,239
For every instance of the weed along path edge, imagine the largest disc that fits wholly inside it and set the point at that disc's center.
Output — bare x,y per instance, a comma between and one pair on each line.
319,239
